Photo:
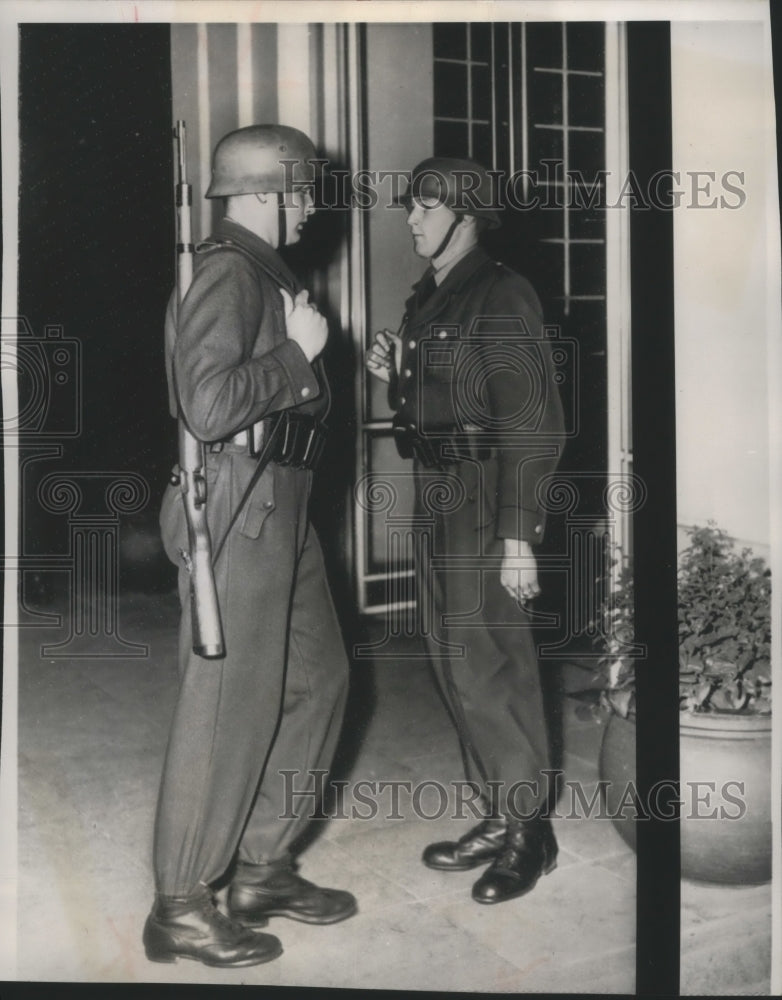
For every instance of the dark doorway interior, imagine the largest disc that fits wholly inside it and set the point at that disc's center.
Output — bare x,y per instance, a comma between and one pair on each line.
96,254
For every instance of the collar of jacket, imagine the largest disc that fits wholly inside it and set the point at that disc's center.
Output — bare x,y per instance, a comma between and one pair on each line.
232,233
456,277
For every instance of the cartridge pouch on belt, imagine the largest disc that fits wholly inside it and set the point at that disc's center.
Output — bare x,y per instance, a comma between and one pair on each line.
299,439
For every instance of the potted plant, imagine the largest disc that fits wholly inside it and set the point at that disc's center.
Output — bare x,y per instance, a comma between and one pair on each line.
724,599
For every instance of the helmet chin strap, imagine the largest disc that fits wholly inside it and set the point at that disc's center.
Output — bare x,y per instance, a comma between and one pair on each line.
447,238
282,224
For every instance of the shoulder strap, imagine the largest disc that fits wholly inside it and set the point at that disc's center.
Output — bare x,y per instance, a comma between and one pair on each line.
280,277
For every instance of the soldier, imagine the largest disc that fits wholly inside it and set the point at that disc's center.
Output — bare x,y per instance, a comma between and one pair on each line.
242,352
470,381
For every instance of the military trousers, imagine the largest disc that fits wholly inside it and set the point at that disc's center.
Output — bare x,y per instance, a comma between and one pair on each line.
274,703
480,641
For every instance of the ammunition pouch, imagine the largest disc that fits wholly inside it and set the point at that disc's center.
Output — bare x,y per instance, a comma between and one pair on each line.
299,439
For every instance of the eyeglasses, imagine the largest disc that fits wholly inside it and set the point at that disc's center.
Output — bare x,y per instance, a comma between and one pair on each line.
426,203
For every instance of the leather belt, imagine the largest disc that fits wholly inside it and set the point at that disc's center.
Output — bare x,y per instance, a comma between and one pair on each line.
299,440
247,441
438,450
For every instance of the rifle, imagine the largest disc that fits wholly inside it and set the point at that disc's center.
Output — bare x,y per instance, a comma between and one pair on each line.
205,611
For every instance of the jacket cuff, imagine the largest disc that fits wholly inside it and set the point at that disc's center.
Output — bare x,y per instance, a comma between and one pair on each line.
524,524
301,378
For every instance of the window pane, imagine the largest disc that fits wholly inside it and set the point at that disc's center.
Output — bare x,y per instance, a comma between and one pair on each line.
587,269
481,93
450,139
587,152
450,40
587,323
545,97
481,144
450,90
551,219
544,44
585,41
545,143
587,223
550,265
481,42
585,100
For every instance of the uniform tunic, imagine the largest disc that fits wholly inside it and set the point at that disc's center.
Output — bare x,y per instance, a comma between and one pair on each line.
275,701
476,379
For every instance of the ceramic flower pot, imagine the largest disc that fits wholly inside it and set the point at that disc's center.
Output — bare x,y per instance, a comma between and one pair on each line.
725,781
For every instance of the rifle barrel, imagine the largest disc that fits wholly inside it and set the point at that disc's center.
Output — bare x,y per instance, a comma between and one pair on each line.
207,630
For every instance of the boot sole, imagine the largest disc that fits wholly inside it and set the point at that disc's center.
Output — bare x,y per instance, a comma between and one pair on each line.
457,868
521,892
172,957
251,920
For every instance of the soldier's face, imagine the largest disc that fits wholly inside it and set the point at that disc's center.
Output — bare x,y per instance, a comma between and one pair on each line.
300,206
429,221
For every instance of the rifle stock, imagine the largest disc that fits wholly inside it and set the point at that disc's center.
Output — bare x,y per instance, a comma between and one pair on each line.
205,610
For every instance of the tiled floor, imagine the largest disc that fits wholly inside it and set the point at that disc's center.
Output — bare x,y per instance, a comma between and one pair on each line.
91,741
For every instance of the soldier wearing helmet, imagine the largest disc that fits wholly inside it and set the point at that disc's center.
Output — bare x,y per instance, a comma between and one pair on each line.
476,407
242,358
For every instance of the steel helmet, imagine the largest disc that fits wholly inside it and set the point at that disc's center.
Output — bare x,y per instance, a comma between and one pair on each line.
261,159
462,185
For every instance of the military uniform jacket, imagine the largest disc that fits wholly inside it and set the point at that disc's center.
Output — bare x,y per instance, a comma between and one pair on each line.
229,362
475,364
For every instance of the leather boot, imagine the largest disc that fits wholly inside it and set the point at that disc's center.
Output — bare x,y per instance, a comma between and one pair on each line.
276,890
477,847
529,851
192,927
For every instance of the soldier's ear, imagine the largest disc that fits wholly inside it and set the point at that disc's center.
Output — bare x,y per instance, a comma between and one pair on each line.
479,225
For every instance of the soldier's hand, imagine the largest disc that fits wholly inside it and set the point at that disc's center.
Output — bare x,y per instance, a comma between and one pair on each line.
384,354
304,324
519,571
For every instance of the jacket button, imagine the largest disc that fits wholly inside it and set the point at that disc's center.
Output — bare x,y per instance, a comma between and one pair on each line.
305,391
402,400
411,345
407,373
538,528
442,334
268,504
